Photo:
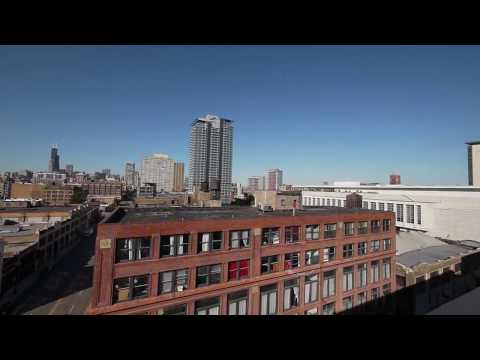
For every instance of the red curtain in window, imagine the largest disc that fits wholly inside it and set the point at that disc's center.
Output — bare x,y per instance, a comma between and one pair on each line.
288,264
232,270
244,268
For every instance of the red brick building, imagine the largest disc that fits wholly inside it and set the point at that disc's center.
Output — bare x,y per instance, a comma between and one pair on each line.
242,261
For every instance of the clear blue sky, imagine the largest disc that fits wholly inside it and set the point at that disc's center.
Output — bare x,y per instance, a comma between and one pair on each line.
320,113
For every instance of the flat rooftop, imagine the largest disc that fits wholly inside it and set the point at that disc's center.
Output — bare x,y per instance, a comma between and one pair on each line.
430,255
38,209
149,215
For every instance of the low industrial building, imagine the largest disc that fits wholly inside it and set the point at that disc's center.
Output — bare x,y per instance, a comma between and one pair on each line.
163,199
447,212
106,192
209,261
41,237
277,200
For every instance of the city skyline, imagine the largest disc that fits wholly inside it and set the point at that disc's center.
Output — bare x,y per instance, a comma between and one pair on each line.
344,105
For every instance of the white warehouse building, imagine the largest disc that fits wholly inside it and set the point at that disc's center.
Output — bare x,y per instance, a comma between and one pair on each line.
448,212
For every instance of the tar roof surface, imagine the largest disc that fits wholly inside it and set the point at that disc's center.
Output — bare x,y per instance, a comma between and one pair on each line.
38,209
153,215
429,255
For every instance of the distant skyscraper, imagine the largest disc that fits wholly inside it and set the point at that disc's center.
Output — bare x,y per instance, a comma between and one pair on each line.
256,183
178,176
130,174
54,162
394,179
274,179
473,152
211,157
107,172
69,170
159,170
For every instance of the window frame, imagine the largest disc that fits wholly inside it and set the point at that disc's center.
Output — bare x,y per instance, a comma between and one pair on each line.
176,245
349,252
131,288
310,232
271,264
292,234
310,256
136,248
312,281
210,242
293,254
289,285
330,234
209,274
174,281
268,236
238,269
241,239
345,228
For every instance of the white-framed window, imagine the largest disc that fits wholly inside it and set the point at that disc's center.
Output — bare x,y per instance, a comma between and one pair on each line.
348,278
329,278
375,271
386,268
311,288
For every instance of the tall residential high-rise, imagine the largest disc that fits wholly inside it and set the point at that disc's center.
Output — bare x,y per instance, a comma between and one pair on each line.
54,162
69,170
210,168
178,176
158,169
473,151
130,174
394,179
274,179
107,172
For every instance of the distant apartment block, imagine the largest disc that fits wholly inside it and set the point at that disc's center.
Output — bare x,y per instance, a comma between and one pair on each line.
274,179
54,162
178,176
256,183
473,153
49,178
394,179
130,174
158,169
211,143
230,261
69,170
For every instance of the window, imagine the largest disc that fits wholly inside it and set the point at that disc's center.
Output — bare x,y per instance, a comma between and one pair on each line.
349,229
282,202
419,279
348,279
457,268
348,251
238,269
175,310
410,217
312,311
390,207
362,298
386,289
130,288
329,309
373,206
210,241
363,227
365,205
269,264
381,206
362,248
386,225
292,261
323,202
133,249
291,234
290,299
375,226
375,245
268,299
330,231
312,257
347,303
209,306
311,288
399,212
209,274
329,283
270,236
328,202
239,239
375,271
375,293
419,214
312,232
237,303
387,244
362,275
172,281
386,268
174,245
329,254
